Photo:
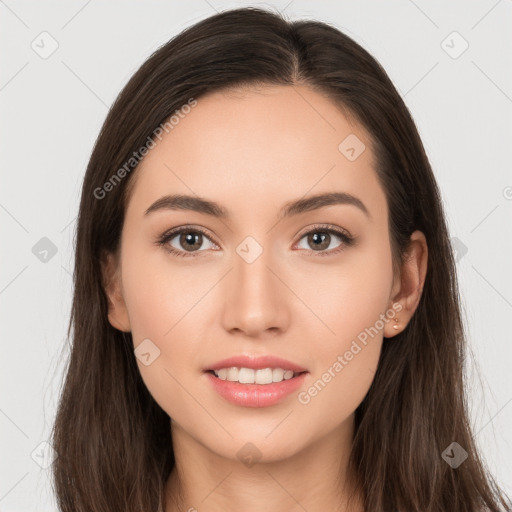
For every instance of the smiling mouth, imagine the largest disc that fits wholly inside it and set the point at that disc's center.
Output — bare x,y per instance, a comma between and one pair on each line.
254,376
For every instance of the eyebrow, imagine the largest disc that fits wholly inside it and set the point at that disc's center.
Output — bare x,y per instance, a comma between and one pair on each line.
208,207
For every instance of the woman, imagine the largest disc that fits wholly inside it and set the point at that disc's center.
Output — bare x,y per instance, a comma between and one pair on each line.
266,312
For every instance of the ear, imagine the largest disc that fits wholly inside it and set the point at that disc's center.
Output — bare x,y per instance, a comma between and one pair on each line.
408,287
111,274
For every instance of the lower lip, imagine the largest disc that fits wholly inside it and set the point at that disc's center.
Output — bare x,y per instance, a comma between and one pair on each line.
255,395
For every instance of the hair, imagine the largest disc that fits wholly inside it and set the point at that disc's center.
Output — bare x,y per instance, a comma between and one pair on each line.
112,440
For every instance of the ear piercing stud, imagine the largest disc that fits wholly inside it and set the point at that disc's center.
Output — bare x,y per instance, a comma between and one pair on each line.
396,325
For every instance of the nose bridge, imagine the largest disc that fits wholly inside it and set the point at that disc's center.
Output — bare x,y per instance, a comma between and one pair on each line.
254,301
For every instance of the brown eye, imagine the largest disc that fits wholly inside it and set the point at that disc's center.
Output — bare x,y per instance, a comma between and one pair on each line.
322,240
186,242
319,240
191,240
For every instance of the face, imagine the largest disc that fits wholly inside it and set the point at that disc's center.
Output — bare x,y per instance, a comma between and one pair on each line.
310,284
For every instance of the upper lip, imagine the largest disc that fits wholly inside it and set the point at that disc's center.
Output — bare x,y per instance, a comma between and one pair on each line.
256,363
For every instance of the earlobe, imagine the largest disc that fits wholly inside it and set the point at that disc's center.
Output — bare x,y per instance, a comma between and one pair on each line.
111,276
412,280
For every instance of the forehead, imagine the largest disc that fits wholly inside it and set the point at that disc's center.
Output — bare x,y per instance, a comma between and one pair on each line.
259,146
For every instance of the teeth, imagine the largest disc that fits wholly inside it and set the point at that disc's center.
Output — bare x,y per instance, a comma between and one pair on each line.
263,376
250,376
246,376
277,374
232,374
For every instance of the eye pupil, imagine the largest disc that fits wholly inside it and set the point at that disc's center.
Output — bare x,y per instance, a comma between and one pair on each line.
321,239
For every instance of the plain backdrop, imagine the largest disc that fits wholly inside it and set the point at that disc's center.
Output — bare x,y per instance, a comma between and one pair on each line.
63,64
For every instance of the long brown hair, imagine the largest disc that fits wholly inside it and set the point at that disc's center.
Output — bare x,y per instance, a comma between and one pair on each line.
112,440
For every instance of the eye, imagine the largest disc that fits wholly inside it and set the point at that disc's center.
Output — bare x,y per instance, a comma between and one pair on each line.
185,241
322,239
188,241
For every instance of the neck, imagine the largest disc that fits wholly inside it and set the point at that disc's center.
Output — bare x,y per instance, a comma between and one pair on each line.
313,479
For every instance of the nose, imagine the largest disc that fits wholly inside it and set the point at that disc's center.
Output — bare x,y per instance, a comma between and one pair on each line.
256,298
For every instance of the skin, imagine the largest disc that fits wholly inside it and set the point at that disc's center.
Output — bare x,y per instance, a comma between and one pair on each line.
252,151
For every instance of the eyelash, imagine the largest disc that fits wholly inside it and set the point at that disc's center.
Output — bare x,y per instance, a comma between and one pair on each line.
347,239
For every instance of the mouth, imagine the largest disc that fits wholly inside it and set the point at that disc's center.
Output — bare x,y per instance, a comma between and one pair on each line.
252,394
261,376
262,381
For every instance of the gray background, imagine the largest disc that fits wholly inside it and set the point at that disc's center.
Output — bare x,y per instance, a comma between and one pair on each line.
52,107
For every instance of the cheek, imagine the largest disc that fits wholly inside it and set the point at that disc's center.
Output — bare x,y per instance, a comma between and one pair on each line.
344,364
350,296
353,306
331,396
159,294
165,307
